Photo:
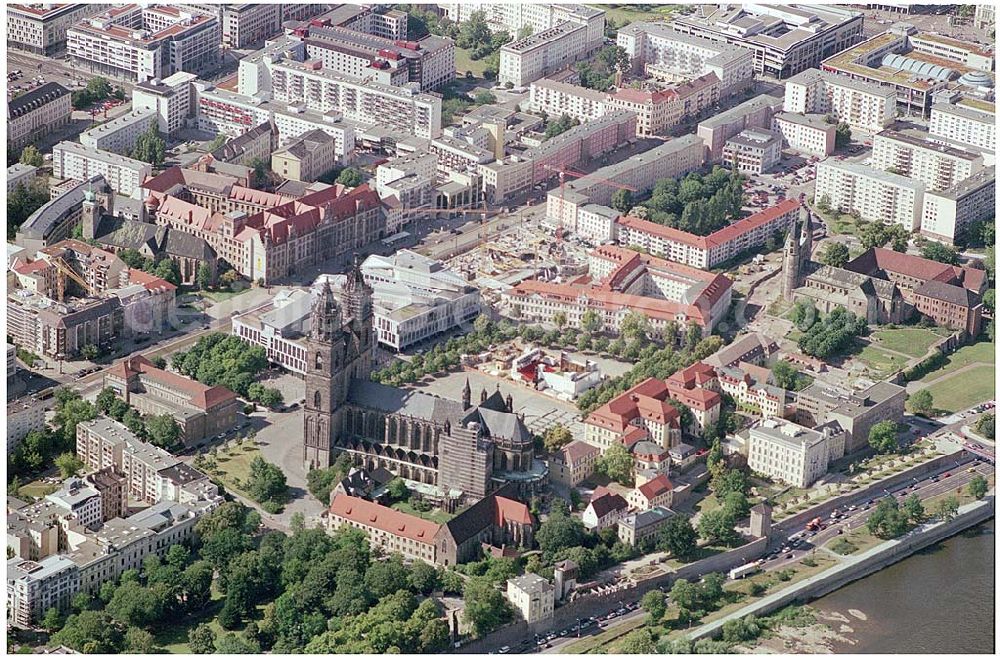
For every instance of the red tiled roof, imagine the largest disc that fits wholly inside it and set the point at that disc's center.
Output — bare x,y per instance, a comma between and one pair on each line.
366,513
924,269
508,510
645,399
149,281
201,396
654,488
717,238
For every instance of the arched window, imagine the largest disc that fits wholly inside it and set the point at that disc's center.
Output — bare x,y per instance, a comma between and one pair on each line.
319,361
316,400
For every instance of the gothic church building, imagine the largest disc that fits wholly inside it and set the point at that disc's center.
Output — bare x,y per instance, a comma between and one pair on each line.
465,451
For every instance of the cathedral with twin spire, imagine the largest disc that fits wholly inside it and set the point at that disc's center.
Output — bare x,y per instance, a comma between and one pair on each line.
462,450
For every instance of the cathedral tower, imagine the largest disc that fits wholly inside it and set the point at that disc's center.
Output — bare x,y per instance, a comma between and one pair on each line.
324,354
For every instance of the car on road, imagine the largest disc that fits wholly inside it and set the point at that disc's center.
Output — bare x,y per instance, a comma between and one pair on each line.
948,475
788,556
503,650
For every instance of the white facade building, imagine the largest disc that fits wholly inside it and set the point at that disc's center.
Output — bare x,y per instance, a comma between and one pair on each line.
753,151
170,98
279,326
556,99
864,106
543,53
811,134
871,194
533,597
912,154
966,121
947,214
120,134
23,416
124,175
791,453
41,28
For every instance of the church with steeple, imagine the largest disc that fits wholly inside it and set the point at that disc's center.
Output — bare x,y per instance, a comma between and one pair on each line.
462,450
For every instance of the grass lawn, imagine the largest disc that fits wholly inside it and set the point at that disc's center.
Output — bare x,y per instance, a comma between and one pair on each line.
845,223
859,538
588,644
234,464
38,489
981,352
219,295
912,342
881,363
465,63
437,515
626,15
965,389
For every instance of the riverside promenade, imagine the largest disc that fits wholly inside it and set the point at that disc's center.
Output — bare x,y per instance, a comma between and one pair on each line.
859,565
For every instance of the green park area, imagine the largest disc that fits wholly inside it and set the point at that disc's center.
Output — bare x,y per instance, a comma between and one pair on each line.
964,389
880,363
464,62
913,341
436,515
625,14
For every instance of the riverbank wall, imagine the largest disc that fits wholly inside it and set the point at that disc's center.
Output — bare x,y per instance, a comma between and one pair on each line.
875,490
859,566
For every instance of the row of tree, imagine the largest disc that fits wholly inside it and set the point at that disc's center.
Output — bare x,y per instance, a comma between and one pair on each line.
40,447
699,204
221,359
160,430
829,335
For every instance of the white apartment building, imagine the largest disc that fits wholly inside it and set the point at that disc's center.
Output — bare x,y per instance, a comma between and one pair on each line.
543,53
864,106
295,121
539,17
81,501
124,175
23,416
120,134
556,99
596,223
871,194
34,587
655,47
811,134
137,43
289,81
37,113
416,298
279,326
791,453
246,25
170,98
948,213
964,120
533,597
755,113
753,151
912,154
41,27
674,158
20,174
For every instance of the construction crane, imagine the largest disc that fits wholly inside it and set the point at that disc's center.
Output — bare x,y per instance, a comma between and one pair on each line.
62,271
563,171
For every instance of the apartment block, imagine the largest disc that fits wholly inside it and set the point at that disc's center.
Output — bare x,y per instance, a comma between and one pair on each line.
871,194
663,52
793,454
556,98
60,330
659,110
20,174
964,120
34,587
948,213
590,140
137,43
75,161
718,247
755,113
23,416
783,39
864,106
674,158
543,53
36,113
811,134
752,151
120,134
428,62
911,154
290,81
41,28
170,98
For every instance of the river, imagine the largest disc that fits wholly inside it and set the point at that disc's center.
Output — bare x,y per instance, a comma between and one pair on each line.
938,601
